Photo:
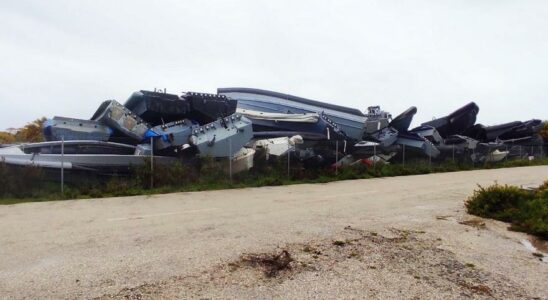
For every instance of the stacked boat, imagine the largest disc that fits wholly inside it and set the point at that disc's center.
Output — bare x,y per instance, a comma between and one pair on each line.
151,124
236,122
367,135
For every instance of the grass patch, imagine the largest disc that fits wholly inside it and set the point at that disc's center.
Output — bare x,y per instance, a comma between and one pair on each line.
527,211
27,184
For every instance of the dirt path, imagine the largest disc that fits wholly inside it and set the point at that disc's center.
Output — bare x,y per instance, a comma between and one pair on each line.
383,238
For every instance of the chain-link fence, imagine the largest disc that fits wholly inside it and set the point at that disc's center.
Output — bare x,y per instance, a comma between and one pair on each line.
488,156
406,158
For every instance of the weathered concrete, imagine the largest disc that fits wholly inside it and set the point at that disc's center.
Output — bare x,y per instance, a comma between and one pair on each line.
88,248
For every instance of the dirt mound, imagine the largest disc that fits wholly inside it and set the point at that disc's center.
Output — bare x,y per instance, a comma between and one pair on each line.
271,264
385,265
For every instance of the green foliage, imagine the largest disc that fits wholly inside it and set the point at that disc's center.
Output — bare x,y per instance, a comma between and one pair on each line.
20,181
533,218
20,184
526,210
210,170
173,175
501,202
543,187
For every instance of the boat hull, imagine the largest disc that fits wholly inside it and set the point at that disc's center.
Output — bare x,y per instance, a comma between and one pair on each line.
60,128
101,157
350,121
457,122
403,121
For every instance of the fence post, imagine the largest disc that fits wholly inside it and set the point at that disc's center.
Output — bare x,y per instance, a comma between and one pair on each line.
520,154
63,165
288,160
375,159
403,155
230,159
336,157
151,163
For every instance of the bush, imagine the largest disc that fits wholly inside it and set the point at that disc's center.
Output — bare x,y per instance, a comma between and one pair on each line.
497,201
18,181
533,218
175,174
21,184
6,137
543,187
526,210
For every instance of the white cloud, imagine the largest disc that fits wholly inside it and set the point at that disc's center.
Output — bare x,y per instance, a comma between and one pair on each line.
66,57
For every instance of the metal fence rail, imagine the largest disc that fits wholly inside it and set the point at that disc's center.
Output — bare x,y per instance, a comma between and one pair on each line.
403,158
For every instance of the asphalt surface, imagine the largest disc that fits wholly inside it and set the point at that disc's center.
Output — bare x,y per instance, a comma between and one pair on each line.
107,247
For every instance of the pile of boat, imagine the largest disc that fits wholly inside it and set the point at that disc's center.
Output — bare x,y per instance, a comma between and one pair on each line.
237,123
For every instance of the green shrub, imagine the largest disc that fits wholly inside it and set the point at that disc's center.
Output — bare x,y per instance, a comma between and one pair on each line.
499,202
21,184
176,174
533,218
211,171
526,210
543,186
19,181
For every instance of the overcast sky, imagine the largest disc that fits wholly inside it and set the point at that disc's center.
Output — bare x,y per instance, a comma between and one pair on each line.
65,57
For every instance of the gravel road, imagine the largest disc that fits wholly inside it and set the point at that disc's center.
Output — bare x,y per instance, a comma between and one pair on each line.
398,237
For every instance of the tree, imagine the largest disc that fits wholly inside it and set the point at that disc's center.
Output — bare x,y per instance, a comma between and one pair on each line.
544,131
6,137
32,132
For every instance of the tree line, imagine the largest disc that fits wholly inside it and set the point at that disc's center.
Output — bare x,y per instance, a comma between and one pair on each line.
30,133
